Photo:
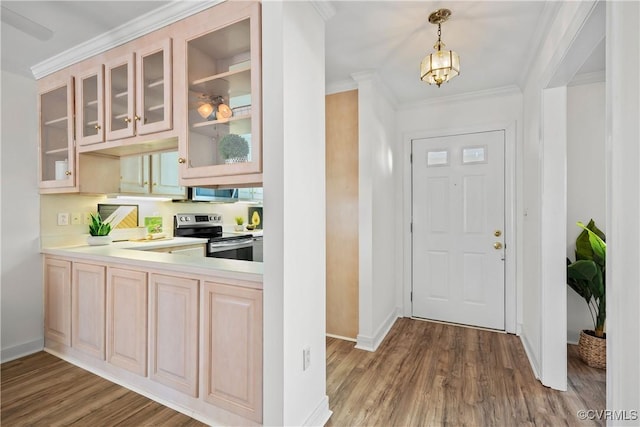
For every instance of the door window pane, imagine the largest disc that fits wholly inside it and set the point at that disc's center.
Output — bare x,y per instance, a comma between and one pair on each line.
437,158
474,155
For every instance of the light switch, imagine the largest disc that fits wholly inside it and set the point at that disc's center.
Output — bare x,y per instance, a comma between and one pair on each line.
76,218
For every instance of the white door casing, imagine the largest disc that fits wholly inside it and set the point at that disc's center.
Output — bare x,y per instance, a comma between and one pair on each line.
458,207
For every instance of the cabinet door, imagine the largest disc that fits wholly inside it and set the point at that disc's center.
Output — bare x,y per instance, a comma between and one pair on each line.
89,106
164,174
127,320
120,96
57,301
173,302
134,174
88,309
57,152
221,50
232,352
154,93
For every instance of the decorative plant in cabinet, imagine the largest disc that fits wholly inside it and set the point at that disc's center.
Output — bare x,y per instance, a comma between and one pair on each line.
223,94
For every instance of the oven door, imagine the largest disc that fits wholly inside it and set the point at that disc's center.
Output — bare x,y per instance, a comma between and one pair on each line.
237,249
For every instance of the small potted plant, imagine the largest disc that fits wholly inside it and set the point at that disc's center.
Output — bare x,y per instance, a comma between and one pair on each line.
233,148
586,276
239,222
99,231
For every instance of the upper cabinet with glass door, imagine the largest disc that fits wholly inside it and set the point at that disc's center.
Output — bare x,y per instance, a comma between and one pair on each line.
134,99
222,93
57,153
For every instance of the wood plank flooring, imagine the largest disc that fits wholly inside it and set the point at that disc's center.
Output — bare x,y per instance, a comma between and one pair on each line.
431,374
423,374
42,390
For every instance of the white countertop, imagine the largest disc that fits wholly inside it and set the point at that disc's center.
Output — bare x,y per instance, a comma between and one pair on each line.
138,254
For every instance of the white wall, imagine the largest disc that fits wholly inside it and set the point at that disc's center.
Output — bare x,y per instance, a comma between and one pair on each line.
560,35
480,111
623,208
294,242
377,216
586,183
21,282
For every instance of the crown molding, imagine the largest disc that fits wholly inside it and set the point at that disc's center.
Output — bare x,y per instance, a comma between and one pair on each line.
341,86
144,24
463,97
325,9
588,78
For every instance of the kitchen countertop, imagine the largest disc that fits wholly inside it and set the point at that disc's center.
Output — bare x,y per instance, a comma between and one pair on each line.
136,253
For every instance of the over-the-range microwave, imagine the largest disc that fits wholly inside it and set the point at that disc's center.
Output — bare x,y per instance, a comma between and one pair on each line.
202,194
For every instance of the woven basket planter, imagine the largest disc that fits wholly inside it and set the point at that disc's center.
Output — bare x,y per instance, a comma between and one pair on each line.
593,350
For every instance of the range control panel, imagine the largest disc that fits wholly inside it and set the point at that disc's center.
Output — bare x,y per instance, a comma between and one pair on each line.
183,220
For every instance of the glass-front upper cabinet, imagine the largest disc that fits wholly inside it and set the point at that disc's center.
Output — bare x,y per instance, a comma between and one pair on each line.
223,95
90,106
57,154
138,86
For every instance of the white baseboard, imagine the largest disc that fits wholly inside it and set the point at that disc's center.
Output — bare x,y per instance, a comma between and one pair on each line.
340,337
320,415
530,355
372,343
21,350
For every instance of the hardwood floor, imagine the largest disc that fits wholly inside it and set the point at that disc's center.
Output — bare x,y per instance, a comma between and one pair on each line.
42,390
423,374
431,374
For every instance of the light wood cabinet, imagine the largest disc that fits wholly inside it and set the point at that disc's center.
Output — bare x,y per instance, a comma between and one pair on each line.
90,106
220,50
173,334
57,301
138,98
232,349
155,174
57,152
88,309
127,319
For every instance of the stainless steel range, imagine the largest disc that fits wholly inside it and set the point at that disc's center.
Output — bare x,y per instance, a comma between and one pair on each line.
221,245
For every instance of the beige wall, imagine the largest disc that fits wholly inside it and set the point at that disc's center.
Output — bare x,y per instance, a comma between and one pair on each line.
342,213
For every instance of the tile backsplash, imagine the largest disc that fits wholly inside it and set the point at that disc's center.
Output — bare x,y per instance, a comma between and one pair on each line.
53,234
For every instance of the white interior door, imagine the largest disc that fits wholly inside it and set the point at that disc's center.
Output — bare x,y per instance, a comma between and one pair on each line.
458,229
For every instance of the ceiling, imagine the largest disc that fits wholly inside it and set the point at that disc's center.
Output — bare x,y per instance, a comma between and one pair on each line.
495,39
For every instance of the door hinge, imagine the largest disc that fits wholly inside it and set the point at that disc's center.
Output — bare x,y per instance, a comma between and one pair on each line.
411,296
411,227
411,158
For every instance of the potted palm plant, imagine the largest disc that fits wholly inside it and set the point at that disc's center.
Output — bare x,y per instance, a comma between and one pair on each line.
99,231
586,276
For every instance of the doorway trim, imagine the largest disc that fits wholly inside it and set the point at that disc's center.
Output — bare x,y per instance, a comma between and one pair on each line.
512,305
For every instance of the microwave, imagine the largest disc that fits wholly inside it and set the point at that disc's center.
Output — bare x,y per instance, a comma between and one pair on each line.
202,194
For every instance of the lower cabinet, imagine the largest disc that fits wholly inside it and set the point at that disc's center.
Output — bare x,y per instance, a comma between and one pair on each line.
190,339
173,335
232,353
127,319
88,309
57,301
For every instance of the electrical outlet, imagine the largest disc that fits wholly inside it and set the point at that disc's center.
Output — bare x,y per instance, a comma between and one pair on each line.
87,218
63,218
306,358
76,218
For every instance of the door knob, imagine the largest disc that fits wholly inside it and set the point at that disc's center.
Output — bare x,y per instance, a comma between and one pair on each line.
181,160
497,245
497,233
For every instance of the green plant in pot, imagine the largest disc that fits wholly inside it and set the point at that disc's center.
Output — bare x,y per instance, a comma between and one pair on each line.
99,231
586,276
233,148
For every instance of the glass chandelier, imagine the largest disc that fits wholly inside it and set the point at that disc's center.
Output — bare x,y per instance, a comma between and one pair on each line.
442,65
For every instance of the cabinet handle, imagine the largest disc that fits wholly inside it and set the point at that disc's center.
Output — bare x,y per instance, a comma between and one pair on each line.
136,118
127,120
155,183
97,127
181,160
146,183
68,173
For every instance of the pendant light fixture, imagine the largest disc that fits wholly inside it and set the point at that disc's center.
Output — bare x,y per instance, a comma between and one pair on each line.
442,65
